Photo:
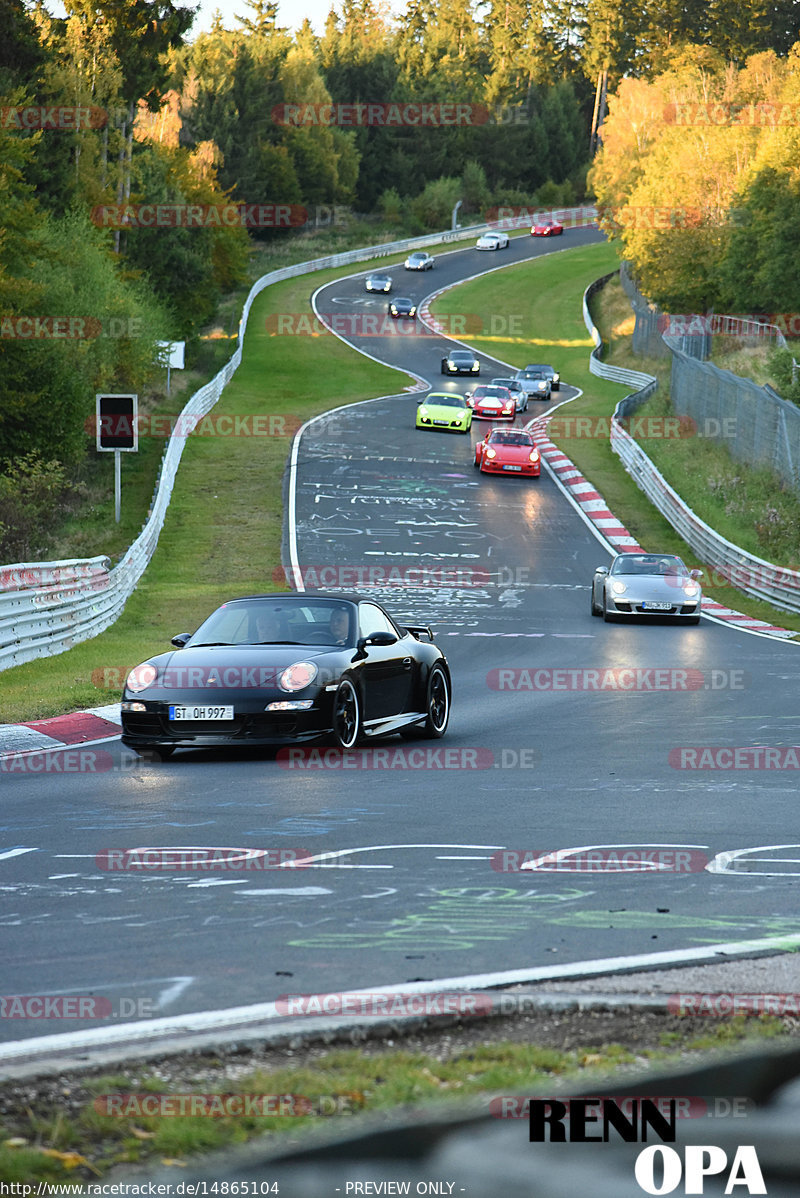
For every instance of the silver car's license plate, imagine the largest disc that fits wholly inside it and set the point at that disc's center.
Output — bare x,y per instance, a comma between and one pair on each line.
512,467
200,713
657,606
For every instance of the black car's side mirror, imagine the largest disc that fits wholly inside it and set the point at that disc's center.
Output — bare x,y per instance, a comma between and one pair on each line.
180,640
377,638
601,570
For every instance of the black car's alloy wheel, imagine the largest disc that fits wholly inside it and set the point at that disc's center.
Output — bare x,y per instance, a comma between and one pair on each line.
346,715
438,704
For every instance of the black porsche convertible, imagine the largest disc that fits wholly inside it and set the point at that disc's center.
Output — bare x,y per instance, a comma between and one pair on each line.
274,669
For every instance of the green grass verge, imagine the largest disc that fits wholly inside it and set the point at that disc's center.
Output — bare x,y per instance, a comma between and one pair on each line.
82,1142
222,534
539,302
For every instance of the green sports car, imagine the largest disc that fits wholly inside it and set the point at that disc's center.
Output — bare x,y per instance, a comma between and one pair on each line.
441,410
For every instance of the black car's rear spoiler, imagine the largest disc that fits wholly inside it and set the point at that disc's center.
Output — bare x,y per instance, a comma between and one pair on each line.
419,630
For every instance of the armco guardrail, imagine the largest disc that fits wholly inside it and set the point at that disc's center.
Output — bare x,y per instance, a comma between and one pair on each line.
615,374
46,608
753,575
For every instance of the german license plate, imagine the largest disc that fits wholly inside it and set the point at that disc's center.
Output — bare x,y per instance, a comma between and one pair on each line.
657,606
445,422
200,713
512,467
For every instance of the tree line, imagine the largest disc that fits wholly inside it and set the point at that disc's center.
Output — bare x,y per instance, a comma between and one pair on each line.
698,178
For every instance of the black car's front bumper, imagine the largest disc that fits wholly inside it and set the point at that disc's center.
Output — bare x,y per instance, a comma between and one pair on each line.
153,727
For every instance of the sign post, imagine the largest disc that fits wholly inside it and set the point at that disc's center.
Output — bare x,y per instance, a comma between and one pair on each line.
117,432
170,354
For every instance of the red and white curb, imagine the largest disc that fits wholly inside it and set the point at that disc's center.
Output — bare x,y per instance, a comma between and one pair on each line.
78,728
595,509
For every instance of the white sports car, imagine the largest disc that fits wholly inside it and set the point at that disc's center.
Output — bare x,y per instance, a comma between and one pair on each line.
492,241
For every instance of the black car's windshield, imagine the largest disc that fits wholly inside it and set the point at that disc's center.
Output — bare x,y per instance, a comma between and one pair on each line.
279,622
648,563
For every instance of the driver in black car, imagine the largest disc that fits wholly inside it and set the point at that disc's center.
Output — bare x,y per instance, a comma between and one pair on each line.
339,625
268,629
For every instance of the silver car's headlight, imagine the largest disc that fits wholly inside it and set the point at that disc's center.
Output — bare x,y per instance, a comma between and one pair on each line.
618,588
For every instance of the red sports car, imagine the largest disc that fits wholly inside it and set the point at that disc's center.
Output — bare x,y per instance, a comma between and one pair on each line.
492,403
508,451
548,228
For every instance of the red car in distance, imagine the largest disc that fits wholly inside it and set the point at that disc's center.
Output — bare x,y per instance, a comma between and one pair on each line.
548,228
508,451
492,403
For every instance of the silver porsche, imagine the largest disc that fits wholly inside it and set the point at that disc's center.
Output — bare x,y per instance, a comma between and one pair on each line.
647,584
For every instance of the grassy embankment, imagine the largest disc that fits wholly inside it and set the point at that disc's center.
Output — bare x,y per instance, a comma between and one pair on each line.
82,1144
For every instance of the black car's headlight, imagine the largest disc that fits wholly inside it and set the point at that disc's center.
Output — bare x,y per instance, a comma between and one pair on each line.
298,676
141,677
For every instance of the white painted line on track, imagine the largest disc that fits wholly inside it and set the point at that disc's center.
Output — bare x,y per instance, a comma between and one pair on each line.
259,1015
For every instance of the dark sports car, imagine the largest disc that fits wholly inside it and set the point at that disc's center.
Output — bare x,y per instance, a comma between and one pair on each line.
402,306
548,372
461,361
271,669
